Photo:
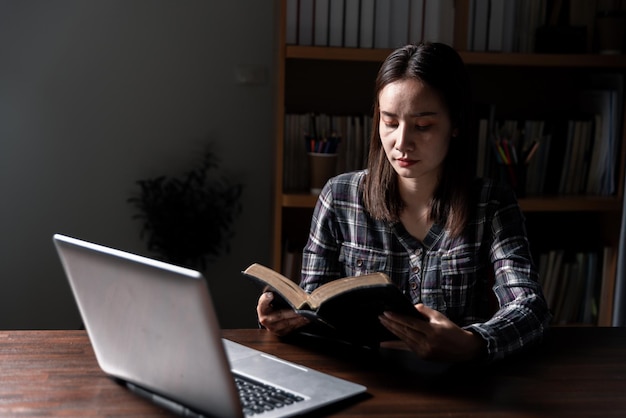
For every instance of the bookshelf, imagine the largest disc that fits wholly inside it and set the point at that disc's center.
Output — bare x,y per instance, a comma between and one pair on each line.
339,81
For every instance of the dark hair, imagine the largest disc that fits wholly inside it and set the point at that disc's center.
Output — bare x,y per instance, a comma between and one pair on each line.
439,66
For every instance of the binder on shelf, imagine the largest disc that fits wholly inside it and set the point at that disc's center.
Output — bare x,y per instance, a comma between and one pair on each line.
291,28
572,284
567,158
496,26
439,21
305,23
480,25
321,23
399,27
416,20
603,105
336,16
366,24
508,30
382,21
351,24
483,149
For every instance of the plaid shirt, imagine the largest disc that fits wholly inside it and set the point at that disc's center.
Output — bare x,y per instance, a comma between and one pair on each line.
451,275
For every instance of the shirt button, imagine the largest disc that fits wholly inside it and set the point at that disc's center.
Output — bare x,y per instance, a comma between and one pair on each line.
416,269
413,285
418,252
359,263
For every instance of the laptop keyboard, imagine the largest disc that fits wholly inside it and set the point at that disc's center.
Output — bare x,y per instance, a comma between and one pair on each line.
257,398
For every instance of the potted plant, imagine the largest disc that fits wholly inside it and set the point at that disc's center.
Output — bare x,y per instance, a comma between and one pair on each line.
188,220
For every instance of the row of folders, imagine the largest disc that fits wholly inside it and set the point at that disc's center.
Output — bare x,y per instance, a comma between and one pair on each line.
368,23
492,25
530,25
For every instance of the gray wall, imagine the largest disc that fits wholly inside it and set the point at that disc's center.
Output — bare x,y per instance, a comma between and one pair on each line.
95,95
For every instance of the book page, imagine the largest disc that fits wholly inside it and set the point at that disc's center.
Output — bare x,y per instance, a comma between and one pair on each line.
346,284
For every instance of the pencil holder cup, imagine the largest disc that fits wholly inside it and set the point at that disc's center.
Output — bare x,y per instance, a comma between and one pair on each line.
322,166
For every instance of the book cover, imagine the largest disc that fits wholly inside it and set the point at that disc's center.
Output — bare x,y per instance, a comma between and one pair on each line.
382,23
439,21
305,23
321,23
351,24
335,34
416,21
399,30
480,25
496,26
366,24
291,33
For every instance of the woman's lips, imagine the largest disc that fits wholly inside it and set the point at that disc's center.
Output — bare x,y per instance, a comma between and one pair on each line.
405,162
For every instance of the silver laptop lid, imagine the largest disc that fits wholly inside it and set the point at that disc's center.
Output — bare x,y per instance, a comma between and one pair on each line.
117,292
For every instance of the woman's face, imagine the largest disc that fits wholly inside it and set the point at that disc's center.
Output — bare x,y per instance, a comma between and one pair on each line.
415,128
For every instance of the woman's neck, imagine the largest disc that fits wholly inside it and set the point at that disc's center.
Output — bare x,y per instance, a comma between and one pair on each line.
417,194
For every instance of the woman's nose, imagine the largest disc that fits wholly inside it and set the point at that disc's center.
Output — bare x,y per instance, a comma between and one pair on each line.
404,141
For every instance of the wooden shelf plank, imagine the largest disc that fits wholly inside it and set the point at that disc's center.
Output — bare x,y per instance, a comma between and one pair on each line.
470,58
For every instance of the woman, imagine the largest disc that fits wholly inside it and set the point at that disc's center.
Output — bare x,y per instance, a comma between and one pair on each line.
417,215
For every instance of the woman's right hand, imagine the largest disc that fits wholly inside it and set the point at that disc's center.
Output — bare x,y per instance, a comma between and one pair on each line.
278,321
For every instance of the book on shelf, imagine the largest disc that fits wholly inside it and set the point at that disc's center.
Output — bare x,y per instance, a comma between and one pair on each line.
416,20
439,21
351,24
508,30
491,25
291,27
607,288
321,23
495,32
347,308
479,25
577,157
572,284
306,10
366,23
603,101
506,25
567,156
382,20
399,26
335,23
483,150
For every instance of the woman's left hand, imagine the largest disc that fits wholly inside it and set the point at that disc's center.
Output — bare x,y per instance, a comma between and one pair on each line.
438,338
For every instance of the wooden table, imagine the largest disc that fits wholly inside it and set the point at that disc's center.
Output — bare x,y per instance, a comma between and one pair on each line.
576,372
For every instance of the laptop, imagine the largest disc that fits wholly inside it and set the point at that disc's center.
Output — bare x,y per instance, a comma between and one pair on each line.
153,328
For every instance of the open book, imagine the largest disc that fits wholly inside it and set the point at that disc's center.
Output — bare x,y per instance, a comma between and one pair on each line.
346,308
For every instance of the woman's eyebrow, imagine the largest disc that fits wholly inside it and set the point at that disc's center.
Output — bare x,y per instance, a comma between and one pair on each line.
414,115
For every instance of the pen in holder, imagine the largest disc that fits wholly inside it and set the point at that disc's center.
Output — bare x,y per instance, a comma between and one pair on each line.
512,167
322,161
